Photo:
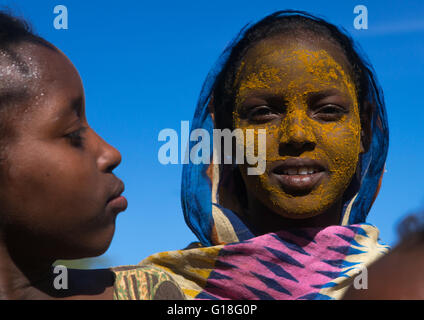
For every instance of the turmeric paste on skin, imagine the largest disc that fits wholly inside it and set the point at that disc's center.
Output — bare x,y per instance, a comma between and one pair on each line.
303,94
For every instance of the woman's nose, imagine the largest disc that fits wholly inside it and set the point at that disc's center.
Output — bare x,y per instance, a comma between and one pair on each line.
296,133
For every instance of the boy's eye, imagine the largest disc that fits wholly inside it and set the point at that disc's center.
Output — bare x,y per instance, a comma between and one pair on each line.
76,137
330,112
261,114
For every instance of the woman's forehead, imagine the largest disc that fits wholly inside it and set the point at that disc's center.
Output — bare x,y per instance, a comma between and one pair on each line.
284,46
292,64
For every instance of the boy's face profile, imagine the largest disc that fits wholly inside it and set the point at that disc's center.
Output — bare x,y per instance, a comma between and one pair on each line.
57,180
302,93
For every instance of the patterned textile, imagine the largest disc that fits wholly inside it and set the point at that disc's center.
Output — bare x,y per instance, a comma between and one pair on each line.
289,264
302,264
144,283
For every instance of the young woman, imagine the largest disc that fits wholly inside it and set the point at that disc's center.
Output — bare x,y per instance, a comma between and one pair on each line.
59,197
298,230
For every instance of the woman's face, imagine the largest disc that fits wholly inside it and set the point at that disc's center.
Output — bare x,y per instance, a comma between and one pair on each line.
58,189
302,93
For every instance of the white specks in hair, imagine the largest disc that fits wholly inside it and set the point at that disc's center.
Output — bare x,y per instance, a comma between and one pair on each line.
15,73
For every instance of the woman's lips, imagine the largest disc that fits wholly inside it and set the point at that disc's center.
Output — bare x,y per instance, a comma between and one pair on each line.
298,175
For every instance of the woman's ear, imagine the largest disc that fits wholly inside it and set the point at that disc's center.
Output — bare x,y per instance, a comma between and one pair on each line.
366,115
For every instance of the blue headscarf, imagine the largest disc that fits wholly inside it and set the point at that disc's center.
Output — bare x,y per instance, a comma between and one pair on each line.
204,213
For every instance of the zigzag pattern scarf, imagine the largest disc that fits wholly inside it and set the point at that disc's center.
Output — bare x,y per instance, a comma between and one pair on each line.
305,264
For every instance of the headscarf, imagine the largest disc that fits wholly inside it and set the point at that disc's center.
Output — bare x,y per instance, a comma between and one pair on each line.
308,263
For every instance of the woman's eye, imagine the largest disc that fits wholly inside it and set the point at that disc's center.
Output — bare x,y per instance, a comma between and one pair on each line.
330,112
261,114
76,138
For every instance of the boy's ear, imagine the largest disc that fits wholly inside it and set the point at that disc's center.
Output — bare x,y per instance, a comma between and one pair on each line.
366,134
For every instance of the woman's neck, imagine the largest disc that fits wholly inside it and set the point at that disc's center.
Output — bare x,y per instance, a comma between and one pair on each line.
262,220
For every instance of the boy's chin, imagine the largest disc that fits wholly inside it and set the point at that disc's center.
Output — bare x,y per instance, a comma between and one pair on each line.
85,252
93,247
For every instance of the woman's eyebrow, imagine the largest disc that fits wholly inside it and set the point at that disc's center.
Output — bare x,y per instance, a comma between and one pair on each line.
263,94
314,97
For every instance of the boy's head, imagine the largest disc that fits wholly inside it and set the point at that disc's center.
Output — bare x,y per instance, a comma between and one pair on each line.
59,197
398,275
18,72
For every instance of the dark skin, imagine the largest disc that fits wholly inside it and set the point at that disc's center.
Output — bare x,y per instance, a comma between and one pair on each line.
301,91
59,197
396,276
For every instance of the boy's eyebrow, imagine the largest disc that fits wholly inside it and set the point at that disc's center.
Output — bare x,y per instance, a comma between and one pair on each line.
14,95
73,108
76,106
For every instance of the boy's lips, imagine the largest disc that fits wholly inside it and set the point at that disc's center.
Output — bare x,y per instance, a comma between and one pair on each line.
298,175
116,200
119,203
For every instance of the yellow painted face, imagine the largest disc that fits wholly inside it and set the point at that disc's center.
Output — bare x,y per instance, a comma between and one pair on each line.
303,95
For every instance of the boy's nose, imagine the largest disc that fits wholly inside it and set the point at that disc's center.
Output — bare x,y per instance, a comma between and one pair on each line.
108,157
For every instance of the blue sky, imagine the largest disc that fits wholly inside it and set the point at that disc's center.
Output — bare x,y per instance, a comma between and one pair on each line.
143,65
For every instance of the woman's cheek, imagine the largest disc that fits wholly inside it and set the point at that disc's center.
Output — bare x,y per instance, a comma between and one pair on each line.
342,149
272,143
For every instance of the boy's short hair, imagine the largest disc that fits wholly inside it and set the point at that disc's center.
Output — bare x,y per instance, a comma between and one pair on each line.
15,72
411,230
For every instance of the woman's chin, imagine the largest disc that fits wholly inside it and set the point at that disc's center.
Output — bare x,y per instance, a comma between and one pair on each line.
298,214
298,208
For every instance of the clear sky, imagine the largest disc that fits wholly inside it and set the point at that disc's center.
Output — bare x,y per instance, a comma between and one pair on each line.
143,64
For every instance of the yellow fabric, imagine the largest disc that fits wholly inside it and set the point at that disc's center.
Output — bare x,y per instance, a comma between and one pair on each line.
143,283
